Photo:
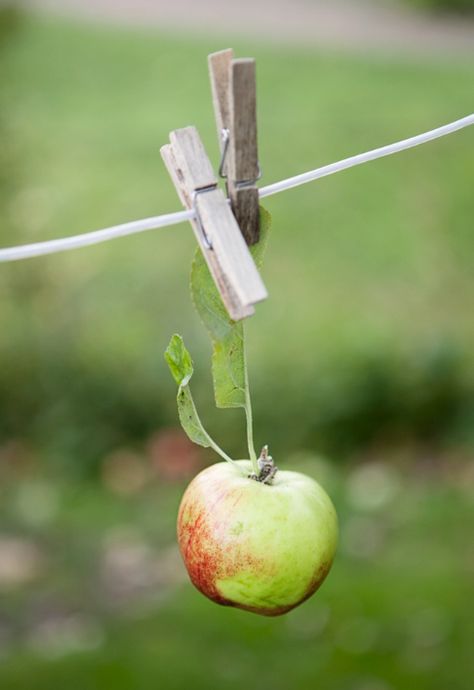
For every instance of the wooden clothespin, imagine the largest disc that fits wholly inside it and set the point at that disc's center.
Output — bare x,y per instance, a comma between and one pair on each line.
215,226
234,96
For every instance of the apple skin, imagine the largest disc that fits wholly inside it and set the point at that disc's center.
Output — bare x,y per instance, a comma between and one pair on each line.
259,547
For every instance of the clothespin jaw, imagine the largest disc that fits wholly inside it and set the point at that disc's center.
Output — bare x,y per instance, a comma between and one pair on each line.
234,95
216,229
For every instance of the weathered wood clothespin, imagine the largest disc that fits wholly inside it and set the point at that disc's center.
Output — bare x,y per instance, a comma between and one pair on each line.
215,226
234,95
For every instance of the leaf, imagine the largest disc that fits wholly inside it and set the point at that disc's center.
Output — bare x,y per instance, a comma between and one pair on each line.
229,371
189,418
181,367
179,360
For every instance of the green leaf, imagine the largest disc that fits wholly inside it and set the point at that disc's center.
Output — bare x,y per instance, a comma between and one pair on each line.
181,367
179,360
189,418
229,369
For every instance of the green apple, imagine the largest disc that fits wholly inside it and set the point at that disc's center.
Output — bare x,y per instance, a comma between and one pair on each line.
262,547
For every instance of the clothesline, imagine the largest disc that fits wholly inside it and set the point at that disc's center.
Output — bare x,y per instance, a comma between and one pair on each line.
63,244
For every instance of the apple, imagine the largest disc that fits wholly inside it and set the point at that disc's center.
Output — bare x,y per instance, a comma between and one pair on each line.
262,547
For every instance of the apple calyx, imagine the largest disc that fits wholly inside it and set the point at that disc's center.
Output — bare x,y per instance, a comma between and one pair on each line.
266,468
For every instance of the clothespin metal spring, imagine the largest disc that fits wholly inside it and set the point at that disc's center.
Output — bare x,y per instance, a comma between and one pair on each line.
205,238
239,184
225,137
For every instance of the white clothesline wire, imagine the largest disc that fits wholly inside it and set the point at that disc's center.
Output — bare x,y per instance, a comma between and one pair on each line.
52,246
27,251
366,157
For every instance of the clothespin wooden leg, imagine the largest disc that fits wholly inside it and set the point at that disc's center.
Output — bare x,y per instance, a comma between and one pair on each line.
219,237
234,96
243,159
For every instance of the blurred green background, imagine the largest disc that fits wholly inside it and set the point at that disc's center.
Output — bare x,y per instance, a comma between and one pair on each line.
361,366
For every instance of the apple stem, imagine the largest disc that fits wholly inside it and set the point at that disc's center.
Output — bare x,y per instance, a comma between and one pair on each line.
252,453
248,414
266,468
